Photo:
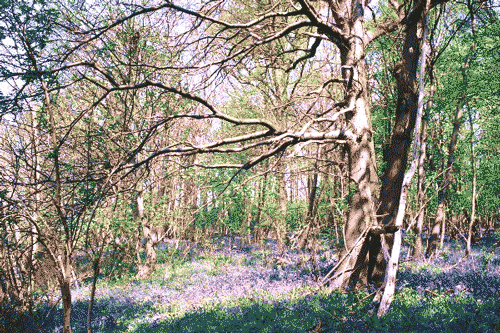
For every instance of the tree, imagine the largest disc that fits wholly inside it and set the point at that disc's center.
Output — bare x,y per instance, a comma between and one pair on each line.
276,46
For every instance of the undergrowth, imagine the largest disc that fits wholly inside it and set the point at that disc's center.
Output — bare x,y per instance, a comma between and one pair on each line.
446,294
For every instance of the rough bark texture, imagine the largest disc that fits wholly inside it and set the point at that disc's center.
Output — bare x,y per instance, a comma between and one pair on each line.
393,262
396,155
361,161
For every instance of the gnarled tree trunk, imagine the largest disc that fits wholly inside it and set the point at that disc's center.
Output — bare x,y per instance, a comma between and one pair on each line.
361,162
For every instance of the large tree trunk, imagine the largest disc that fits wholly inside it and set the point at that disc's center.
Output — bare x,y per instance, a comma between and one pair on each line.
361,161
392,267
396,155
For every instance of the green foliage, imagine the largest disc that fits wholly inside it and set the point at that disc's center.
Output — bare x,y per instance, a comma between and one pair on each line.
410,237
330,240
446,255
479,91
486,257
296,214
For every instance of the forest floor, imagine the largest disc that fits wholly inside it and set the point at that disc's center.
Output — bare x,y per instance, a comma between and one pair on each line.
227,286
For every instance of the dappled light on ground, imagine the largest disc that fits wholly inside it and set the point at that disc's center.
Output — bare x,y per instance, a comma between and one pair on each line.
241,288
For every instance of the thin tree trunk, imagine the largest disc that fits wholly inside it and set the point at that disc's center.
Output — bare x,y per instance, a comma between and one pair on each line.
472,157
280,226
92,292
260,206
65,262
65,285
440,221
312,182
148,268
419,246
468,250
418,249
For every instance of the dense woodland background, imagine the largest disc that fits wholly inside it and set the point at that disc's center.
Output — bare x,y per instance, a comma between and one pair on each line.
126,124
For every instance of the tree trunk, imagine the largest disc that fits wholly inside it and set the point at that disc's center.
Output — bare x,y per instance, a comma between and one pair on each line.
468,251
65,285
149,267
396,155
361,161
260,206
190,197
440,221
92,292
312,184
419,248
280,222
392,267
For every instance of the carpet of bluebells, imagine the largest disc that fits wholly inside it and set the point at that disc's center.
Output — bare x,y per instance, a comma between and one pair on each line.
230,286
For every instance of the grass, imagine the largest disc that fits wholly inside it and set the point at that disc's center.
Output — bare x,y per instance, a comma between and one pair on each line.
427,299
336,312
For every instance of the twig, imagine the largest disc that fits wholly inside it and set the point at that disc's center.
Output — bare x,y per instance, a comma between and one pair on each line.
364,298
431,292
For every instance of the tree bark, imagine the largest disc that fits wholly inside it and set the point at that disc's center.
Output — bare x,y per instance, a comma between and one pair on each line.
260,206
149,267
419,247
95,267
468,250
396,155
392,267
312,184
65,286
280,222
361,162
